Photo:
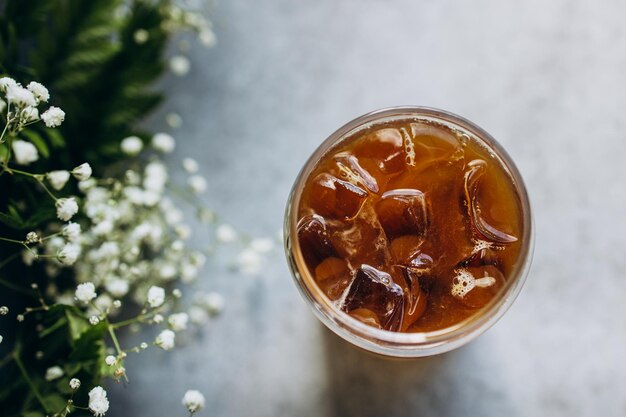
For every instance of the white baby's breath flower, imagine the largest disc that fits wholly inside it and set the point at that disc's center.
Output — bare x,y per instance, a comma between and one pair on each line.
207,38
193,400
6,82
53,117
198,315
30,114
58,179
39,91
110,360
71,232
225,233
262,245
183,231
20,318
85,292
85,186
197,184
98,402
24,152
20,96
29,256
178,321
155,177
131,145
156,296
173,120
188,272
177,293
66,208
82,172
214,302
249,262
157,319
165,340
141,36
32,237
143,345
54,372
117,303
198,259
180,65
69,254
190,165
93,320
117,287
74,383
4,310
163,142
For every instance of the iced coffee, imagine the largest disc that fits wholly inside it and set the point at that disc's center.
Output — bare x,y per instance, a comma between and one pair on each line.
410,225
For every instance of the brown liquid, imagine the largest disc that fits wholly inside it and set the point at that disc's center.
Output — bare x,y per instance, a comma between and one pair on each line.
409,226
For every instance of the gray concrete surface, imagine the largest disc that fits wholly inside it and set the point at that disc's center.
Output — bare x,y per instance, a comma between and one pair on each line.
546,78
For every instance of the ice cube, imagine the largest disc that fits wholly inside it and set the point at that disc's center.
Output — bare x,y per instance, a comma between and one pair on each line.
407,251
480,221
350,170
404,247
314,238
403,211
376,291
432,143
415,300
333,277
385,141
336,198
361,240
366,316
385,148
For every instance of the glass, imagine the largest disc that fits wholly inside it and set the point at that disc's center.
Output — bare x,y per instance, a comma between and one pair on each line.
390,343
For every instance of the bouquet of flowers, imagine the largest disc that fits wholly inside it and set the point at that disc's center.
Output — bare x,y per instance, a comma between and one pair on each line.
92,235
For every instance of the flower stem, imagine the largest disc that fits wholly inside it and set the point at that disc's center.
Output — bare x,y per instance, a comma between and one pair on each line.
16,288
19,242
7,124
32,386
47,189
116,343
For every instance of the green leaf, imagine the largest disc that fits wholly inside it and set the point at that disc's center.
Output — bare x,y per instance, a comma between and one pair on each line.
12,218
78,324
37,140
90,343
55,138
32,414
54,402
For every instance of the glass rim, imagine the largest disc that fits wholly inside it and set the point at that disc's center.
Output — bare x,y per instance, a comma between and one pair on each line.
386,342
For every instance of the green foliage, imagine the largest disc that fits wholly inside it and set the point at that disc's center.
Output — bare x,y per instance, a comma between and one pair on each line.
85,52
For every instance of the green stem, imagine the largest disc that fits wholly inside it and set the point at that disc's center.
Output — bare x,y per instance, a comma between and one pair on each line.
139,318
20,365
51,236
37,177
9,259
116,343
16,288
47,189
19,171
20,242
114,338
7,124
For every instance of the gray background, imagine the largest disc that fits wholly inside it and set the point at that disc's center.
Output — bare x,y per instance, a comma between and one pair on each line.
546,78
